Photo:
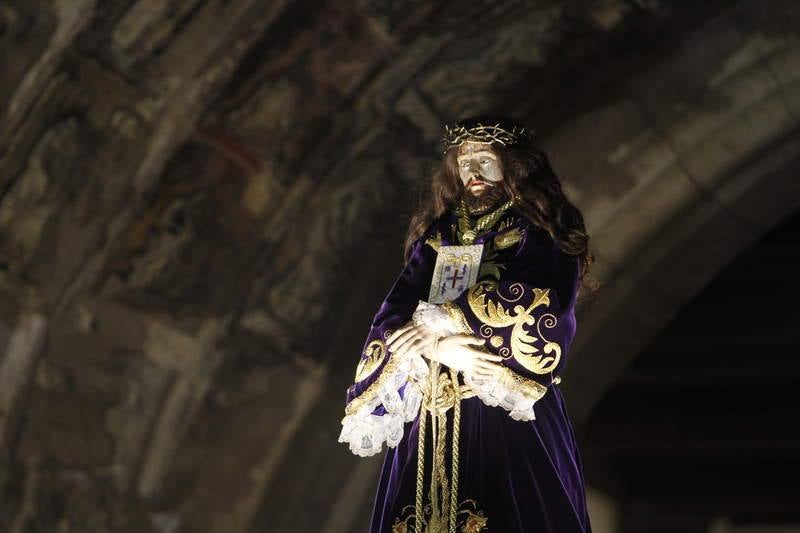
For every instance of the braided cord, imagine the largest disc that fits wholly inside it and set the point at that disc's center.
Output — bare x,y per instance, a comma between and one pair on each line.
434,493
455,457
418,521
469,234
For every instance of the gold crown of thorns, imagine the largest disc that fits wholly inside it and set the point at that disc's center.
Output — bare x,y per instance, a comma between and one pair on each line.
483,133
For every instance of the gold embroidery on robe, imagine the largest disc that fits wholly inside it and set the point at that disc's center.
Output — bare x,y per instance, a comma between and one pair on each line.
523,345
507,239
435,242
372,391
371,359
527,387
470,519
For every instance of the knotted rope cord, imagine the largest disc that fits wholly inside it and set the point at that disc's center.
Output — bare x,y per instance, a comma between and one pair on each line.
454,459
441,472
467,232
438,473
434,496
420,468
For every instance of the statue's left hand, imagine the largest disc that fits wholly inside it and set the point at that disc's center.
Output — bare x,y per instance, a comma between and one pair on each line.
410,338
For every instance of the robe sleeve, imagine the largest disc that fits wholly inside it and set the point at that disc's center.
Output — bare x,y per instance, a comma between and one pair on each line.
527,317
382,397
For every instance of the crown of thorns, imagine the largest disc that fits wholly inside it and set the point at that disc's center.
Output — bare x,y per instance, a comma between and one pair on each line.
483,133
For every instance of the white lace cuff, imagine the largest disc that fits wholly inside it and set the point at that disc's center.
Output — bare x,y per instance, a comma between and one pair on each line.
366,432
511,391
435,318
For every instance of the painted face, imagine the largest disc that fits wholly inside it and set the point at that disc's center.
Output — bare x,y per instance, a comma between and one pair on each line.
478,167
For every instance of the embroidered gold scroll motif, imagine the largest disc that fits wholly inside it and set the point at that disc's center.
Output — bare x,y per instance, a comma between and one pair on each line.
371,359
524,347
371,391
470,519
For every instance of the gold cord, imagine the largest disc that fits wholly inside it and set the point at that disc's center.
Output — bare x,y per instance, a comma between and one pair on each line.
454,459
440,515
434,493
420,471
467,233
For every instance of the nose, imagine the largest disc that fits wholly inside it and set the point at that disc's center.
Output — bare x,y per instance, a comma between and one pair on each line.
474,171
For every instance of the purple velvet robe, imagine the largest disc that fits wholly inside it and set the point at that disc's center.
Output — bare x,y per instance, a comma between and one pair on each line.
520,476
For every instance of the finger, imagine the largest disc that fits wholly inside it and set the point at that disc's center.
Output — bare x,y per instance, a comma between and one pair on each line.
482,367
480,354
403,338
401,347
466,339
397,333
488,367
407,337
482,373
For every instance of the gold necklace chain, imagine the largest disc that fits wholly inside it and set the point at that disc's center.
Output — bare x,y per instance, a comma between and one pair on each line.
468,232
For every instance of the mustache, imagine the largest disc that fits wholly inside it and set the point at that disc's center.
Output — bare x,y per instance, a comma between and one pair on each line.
473,181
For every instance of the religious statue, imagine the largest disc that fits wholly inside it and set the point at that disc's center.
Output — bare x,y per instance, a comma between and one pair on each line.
459,374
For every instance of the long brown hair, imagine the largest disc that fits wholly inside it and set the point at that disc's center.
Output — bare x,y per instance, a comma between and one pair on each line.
526,172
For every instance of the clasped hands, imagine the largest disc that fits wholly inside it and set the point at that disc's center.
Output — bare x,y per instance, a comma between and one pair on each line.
459,352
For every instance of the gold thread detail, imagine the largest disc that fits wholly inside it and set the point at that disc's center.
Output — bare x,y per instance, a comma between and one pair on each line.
372,391
420,473
467,231
442,514
457,315
371,359
435,242
454,452
523,345
507,239
529,388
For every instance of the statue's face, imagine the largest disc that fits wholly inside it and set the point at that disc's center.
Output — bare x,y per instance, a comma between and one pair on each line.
478,167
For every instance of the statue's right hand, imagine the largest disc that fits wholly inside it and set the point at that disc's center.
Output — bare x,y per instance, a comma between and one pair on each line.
460,352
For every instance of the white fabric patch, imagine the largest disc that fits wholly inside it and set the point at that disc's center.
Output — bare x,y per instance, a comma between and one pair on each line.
456,270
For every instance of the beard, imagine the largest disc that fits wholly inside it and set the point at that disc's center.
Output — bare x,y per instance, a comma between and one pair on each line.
490,197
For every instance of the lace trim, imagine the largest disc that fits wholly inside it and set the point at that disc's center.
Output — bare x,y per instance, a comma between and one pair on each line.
435,318
366,432
512,392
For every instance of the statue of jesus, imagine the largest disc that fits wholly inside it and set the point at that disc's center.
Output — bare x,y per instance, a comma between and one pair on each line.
459,374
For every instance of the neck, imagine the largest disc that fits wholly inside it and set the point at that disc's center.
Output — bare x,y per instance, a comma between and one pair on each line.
491,199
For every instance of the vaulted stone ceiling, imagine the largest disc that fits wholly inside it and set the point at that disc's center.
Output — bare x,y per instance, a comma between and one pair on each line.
202,203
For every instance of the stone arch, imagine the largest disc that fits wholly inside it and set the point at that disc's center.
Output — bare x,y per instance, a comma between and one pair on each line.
704,178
